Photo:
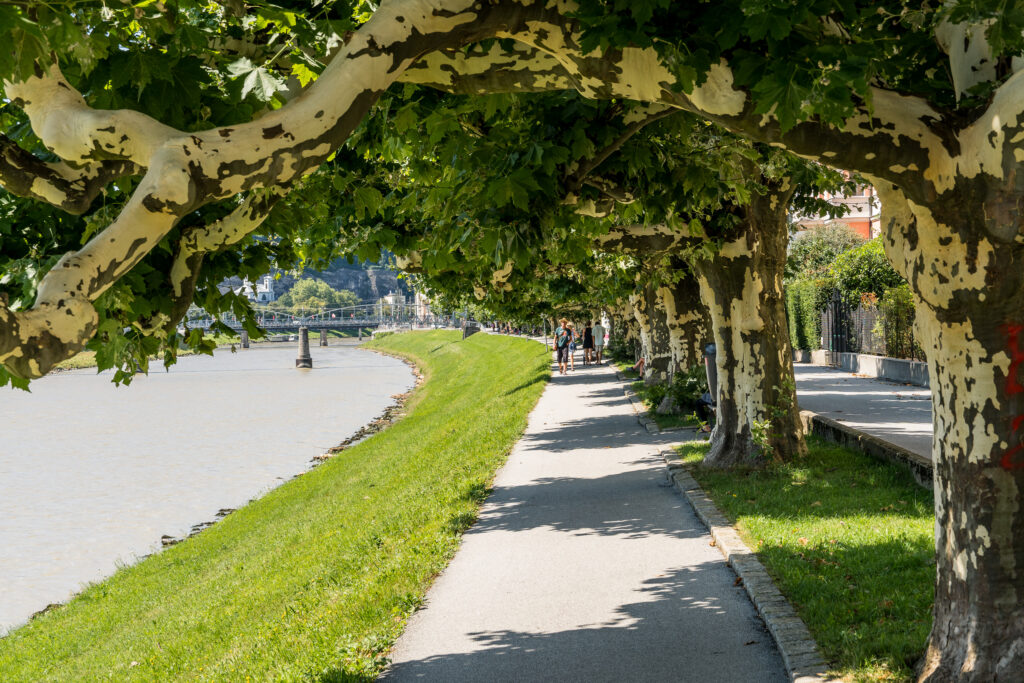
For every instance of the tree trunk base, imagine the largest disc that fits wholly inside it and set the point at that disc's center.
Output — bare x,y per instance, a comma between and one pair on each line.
732,447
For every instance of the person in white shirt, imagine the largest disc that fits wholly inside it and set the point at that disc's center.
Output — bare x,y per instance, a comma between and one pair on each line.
599,333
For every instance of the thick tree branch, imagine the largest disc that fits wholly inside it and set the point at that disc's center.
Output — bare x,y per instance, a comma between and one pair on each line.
475,71
229,230
647,243
186,170
65,187
79,134
894,137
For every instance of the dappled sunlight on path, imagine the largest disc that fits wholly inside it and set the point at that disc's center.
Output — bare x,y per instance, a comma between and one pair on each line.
586,565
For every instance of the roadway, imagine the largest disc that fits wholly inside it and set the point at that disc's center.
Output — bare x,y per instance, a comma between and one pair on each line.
898,413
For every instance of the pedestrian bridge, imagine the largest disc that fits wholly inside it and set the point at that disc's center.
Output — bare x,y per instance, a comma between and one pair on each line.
366,316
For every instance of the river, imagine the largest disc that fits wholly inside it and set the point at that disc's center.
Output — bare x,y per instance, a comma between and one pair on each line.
92,475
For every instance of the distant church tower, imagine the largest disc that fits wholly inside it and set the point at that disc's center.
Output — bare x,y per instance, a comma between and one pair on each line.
265,290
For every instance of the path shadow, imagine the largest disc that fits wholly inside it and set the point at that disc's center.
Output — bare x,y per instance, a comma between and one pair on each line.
604,506
681,627
596,432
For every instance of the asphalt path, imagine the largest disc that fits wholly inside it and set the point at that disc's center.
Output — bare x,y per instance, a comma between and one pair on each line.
898,413
586,565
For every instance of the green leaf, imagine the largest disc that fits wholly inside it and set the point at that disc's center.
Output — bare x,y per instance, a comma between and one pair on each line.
367,201
256,80
303,73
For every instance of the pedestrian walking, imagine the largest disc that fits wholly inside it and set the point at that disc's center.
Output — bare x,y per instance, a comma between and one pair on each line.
561,342
599,333
572,347
588,344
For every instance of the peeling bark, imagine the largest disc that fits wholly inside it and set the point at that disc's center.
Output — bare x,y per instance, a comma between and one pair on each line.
624,331
742,287
647,243
689,325
652,319
969,295
58,184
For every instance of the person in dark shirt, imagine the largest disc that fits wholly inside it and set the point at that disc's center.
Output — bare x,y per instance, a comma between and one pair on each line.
588,344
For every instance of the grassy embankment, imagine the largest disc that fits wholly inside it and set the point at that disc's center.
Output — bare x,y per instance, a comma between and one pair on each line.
850,542
315,580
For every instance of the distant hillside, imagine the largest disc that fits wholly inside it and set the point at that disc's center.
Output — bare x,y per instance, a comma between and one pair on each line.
368,280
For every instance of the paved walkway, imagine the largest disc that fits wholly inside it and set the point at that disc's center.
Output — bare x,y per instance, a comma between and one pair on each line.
586,566
898,413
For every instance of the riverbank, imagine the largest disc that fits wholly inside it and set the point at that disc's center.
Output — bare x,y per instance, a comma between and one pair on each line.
315,579
97,476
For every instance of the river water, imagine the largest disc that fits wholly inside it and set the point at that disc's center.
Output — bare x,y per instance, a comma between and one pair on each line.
92,475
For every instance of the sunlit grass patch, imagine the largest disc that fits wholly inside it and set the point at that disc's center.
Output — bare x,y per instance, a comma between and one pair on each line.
850,541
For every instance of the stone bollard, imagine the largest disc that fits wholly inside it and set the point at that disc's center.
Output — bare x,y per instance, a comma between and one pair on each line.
323,337
245,339
360,334
304,360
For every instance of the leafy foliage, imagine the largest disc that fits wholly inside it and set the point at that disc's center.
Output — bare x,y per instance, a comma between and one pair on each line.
812,252
804,59
864,269
806,297
311,294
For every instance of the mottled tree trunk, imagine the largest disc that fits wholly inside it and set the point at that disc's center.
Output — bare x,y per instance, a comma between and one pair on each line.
742,287
969,288
689,326
649,310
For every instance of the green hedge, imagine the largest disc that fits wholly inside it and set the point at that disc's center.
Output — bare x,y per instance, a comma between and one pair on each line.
805,299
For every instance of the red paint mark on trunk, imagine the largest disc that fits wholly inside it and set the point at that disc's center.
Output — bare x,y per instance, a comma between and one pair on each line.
1013,334
1008,463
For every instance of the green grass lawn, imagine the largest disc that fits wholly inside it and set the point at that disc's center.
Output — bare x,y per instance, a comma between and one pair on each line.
850,542
315,580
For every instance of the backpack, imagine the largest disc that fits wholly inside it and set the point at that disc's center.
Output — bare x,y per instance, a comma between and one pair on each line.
562,337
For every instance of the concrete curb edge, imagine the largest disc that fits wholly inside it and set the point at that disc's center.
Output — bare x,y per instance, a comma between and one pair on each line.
800,655
844,435
642,414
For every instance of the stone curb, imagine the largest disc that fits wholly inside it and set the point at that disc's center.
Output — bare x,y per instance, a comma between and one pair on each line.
844,435
641,412
799,651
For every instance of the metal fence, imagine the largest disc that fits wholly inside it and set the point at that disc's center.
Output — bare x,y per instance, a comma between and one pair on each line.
874,329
